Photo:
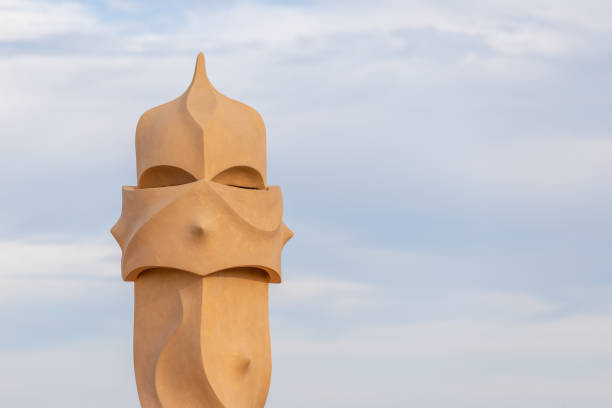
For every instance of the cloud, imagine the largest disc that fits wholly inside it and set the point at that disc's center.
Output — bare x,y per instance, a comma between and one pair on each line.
566,338
444,166
525,358
56,293
446,342
30,20
48,258
92,373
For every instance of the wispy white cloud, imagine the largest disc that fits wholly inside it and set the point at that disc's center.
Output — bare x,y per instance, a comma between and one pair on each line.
50,259
91,373
26,20
445,166
514,347
432,338
337,296
48,272
574,337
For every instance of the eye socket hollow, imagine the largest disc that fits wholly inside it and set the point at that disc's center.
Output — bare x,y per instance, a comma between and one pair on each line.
241,176
163,176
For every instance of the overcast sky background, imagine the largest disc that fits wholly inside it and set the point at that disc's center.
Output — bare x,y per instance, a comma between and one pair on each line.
445,166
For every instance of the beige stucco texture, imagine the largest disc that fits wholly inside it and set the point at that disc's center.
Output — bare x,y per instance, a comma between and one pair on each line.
201,227
201,237
204,134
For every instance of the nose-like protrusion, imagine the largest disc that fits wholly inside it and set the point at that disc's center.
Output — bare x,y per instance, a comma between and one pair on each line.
197,230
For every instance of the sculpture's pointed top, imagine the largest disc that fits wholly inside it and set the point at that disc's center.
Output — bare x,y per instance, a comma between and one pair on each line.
199,74
175,133
200,68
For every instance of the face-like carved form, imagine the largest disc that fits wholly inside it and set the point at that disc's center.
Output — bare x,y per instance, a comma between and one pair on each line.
202,227
201,237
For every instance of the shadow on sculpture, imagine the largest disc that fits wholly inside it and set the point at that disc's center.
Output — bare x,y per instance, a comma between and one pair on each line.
201,237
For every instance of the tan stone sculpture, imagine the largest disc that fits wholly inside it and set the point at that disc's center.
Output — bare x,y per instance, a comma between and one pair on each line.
201,237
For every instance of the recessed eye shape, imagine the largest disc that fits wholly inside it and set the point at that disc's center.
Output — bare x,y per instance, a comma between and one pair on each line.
163,176
240,176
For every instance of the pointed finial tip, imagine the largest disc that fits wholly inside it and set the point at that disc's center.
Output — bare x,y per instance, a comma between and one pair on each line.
199,73
200,68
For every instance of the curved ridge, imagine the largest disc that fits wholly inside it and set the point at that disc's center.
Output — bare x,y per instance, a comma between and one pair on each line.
180,378
241,213
132,220
197,131
240,217
201,96
161,345
157,316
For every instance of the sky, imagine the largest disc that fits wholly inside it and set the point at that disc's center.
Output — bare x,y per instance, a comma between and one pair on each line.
445,167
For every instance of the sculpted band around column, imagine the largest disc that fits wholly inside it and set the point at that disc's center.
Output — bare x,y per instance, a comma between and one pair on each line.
201,237
201,227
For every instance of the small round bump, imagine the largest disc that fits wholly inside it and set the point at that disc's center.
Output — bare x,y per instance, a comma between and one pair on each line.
197,230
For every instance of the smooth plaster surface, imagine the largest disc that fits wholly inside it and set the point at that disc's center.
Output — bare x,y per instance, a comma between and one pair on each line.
201,237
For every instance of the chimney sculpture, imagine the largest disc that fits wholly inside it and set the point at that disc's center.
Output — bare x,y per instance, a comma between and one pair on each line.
201,237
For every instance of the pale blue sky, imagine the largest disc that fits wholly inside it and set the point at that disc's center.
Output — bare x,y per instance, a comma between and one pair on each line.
445,166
